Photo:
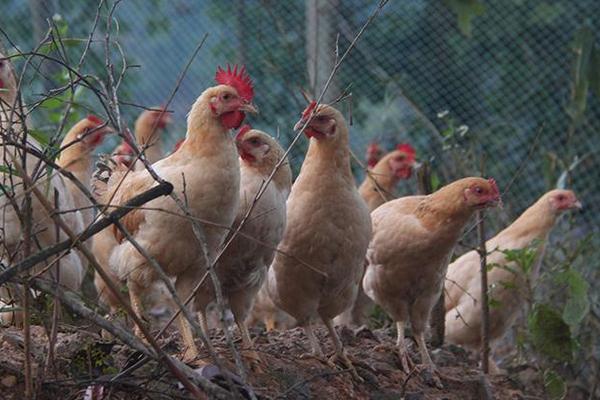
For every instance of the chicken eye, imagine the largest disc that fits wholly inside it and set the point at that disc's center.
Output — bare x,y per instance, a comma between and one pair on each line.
478,190
320,118
226,96
561,197
254,142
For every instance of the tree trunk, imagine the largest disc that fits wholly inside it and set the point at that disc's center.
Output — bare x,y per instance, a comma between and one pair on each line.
438,314
321,32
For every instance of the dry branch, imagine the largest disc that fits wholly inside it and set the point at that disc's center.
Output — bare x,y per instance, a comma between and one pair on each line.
485,306
163,189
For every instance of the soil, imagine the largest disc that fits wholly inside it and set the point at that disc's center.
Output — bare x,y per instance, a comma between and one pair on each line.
84,363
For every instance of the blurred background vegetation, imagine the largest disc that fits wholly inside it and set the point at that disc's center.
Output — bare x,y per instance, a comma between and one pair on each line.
513,86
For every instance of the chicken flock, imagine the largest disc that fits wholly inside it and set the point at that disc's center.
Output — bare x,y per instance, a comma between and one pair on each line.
319,249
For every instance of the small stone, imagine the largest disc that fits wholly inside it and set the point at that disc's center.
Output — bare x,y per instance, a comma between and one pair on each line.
8,381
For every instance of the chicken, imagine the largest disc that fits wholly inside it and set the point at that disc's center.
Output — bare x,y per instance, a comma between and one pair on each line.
378,186
207,166
242,268
376,189
147,128
104,242
76,157
412,239
328,229
506,285
69,271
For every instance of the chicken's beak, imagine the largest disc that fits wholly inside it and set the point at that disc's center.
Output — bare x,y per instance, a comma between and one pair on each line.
248,107
577,205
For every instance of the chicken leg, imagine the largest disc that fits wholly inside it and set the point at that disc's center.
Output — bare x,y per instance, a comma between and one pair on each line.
340,354
407,364
249,352
136,305
315,347
426,359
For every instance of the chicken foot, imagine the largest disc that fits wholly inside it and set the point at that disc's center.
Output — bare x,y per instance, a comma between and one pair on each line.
315,348
270,323
407,364
249,352
136,305
430,367
340,354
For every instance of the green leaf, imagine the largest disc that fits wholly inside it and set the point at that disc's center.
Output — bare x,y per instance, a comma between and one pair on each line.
5,169
52,103
465,11
550,334
578,304
554,385
39,136
583,46
435,182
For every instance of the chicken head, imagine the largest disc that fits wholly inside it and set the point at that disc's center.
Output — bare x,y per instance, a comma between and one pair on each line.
563,200
401,164
320,121
233,98
482,194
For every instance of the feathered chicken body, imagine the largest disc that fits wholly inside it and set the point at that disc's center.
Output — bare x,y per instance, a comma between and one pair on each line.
413,237
243,267
76,157
70,272
205,174
376,189
328,227
506,280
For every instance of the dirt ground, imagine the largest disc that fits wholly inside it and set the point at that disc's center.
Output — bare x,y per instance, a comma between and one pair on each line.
84,364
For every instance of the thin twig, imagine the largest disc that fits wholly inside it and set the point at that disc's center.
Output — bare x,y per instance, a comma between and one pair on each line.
485,307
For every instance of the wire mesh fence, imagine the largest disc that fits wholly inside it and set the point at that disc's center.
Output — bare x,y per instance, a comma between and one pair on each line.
502,92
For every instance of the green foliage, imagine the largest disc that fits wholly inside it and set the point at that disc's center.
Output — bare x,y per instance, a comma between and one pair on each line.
550,334
94,359
578,304
524,258
466,11
554,385
586,73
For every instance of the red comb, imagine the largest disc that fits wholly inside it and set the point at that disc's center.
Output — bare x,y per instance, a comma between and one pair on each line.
309,109
242,132
239,80
94,119
408,150
492,183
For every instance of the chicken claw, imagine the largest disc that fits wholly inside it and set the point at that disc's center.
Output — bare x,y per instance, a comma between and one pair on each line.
431,376
343,359
253,360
